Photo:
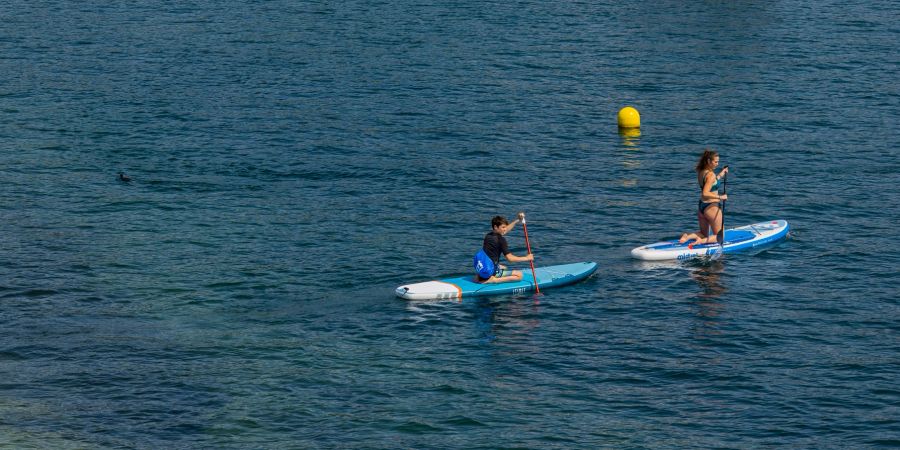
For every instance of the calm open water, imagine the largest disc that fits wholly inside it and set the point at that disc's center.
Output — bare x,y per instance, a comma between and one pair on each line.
293,162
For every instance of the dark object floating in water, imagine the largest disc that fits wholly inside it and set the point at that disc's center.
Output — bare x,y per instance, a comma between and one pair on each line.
123,177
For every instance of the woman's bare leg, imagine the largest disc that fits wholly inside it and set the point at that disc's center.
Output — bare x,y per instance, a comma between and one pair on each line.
713,218
704,225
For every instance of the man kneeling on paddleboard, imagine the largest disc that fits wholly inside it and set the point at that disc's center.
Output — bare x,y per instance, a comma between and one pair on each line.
487,261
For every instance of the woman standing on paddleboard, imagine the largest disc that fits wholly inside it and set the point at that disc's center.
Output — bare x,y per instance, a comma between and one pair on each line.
708,210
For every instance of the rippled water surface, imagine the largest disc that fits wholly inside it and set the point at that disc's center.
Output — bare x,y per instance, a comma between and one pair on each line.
293,162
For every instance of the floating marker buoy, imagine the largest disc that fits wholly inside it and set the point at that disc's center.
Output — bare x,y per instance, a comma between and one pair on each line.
629,118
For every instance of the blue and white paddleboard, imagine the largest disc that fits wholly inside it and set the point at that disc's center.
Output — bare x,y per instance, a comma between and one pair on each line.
466,286
736,239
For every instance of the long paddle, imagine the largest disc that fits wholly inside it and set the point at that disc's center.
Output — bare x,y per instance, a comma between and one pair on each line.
528,246
721,235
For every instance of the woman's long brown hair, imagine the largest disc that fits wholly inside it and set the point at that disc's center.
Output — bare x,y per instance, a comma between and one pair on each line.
706,160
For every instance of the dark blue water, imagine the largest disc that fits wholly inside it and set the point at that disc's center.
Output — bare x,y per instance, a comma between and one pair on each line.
293,162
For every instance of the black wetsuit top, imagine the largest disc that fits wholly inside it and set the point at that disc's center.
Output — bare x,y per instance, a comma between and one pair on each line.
495,245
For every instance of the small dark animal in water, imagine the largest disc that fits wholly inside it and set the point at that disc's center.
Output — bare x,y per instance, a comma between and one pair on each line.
123,177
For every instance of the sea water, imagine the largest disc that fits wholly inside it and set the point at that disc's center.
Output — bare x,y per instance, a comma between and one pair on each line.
291,163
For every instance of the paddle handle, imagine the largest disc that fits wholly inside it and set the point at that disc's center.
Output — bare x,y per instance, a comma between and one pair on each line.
537,288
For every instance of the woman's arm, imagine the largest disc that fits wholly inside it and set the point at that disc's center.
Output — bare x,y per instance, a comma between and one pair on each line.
722,173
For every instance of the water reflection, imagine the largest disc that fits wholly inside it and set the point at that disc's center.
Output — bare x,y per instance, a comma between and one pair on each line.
708,276
508,318
706,272
631,146
493,318
630,136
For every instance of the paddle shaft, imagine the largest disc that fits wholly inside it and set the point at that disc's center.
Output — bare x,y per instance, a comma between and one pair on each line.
721,236
537,289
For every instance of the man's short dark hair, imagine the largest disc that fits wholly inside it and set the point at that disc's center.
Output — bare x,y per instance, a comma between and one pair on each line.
498,221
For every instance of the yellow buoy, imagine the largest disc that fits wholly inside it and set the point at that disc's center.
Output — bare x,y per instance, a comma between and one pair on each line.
629,118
